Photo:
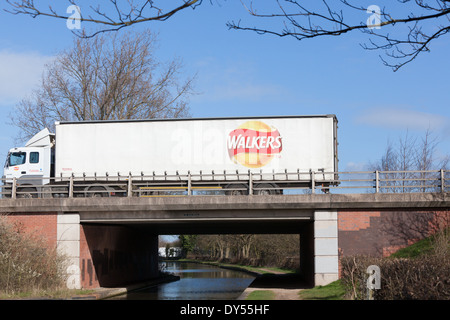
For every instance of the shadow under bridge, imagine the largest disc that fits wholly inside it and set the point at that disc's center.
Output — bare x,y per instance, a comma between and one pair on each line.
199,215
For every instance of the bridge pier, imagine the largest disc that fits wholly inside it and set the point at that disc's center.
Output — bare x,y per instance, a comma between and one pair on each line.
326,259
68,244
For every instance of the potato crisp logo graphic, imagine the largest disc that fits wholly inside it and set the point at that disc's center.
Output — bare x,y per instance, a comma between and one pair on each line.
254,144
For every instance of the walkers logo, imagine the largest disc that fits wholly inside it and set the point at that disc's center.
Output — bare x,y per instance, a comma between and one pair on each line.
254,144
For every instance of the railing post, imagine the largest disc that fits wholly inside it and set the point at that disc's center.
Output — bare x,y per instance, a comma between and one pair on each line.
377,182
250,183
13,189
313,182
130,186
71,186
442,181
189,184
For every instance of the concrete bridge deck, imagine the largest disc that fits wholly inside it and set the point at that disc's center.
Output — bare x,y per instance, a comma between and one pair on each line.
214,214
223,203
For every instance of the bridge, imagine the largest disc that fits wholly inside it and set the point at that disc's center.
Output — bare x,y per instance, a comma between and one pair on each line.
113,240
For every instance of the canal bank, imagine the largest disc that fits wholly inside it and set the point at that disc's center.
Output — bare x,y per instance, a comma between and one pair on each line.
107,293
283,286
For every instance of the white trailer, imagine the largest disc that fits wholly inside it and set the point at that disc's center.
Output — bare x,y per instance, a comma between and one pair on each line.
280,151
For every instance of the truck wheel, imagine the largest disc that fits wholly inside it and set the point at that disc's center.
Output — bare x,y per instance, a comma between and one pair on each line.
6,192
236,192
97,192
266,189
27,193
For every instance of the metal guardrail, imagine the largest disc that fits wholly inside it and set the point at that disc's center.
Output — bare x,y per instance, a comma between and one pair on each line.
228,184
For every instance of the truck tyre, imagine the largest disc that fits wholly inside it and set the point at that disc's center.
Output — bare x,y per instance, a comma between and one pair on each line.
7,192
27,193
266,189
97,192
236,192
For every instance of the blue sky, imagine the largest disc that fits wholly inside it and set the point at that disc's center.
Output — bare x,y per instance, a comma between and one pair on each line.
245,74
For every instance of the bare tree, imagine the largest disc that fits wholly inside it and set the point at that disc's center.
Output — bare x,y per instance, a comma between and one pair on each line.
245,242
280,250
406,149
411,164
403,29
426,160
389,164
109,77
112,15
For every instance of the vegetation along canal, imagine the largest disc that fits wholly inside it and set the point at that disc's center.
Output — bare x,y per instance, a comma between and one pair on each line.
197,282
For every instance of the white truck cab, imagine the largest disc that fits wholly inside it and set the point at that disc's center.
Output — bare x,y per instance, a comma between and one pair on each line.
32,164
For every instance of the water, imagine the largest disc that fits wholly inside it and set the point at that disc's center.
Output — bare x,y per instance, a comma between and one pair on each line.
197,282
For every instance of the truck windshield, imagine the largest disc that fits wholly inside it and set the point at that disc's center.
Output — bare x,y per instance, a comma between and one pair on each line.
16,158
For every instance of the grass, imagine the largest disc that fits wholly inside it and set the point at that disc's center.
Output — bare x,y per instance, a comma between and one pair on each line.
261,295
332,291
417,249
261,270
62,293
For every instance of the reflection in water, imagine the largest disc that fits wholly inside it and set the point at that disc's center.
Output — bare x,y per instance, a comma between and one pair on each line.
197,282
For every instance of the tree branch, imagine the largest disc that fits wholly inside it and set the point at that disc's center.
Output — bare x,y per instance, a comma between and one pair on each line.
304,23
135,13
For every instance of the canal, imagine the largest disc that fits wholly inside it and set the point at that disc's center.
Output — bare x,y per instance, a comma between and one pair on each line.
197,282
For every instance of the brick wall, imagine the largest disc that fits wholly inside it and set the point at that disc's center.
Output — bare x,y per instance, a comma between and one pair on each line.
382,232
40,224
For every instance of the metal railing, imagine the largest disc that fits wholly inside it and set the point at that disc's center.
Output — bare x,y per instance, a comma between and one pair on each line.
248,183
